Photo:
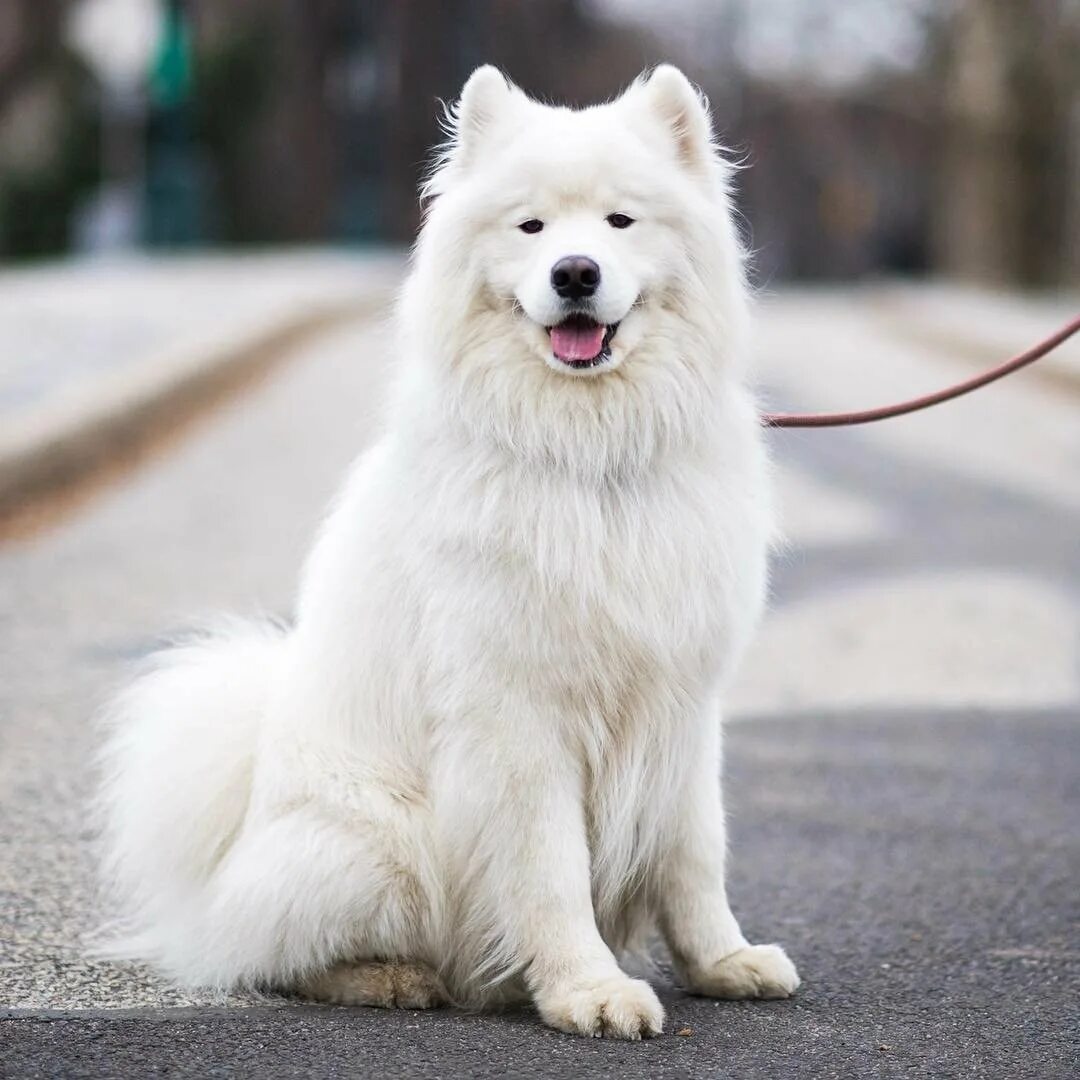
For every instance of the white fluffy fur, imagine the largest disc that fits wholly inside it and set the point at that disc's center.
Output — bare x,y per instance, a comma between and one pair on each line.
490,747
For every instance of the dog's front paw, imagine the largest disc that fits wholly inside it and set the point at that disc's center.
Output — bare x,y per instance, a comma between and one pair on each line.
758,971
613,1008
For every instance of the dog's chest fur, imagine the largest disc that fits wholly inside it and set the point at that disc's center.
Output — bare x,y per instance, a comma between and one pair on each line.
605,592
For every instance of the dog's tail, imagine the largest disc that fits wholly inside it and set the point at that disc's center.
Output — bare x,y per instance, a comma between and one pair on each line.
177,766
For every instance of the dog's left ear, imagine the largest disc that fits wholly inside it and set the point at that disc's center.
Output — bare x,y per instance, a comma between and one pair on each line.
683,109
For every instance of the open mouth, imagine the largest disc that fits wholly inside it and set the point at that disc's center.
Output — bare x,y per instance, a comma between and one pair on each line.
580,342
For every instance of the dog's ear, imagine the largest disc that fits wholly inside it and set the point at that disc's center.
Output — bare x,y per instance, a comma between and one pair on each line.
683,109
487,99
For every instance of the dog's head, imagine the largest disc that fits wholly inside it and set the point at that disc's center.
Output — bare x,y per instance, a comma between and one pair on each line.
579,245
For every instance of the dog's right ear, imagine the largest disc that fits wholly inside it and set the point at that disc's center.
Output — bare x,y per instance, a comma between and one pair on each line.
487,100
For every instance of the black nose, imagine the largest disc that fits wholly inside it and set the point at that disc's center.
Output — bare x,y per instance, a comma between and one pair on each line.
575,277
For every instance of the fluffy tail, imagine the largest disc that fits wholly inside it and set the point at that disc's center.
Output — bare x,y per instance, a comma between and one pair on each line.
177,765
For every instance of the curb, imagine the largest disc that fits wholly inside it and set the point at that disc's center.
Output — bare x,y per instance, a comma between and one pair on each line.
59,446
904,316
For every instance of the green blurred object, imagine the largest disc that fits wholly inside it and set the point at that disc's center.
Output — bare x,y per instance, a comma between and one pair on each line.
170,80
175,176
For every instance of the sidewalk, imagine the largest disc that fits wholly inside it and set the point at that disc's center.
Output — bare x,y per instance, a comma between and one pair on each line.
984,324
93,354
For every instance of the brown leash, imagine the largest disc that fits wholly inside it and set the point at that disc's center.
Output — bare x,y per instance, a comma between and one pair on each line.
867,416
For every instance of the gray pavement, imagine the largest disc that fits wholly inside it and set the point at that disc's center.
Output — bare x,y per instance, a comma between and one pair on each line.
916,864
901,758
97,356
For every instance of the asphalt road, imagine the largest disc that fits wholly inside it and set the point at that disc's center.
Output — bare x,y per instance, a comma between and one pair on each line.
902,758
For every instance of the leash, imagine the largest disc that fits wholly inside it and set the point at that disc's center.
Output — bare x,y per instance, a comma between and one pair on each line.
885,412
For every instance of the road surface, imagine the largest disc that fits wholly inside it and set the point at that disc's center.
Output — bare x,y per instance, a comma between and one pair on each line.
901,758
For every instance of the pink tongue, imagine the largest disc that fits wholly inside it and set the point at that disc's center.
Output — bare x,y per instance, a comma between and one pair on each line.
577,341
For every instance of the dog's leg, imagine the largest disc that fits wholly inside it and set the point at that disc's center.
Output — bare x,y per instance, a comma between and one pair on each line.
706,943
521,839
391,984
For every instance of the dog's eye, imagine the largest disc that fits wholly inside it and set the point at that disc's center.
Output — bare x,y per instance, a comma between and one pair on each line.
620,221
533,225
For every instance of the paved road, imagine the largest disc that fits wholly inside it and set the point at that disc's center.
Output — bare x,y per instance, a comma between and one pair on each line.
902,756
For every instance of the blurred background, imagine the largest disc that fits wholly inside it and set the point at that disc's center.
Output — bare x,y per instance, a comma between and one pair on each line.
892,136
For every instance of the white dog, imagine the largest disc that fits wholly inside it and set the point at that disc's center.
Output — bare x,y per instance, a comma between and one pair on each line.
485,763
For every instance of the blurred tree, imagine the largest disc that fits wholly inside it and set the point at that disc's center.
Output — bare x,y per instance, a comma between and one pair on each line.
29,32
319,116
268,116
1010,167
49,129
311,120
235,68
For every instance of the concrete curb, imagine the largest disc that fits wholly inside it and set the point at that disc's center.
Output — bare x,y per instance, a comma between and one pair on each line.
906,313
60,444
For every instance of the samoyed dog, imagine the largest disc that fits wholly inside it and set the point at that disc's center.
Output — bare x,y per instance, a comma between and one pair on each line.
484,764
